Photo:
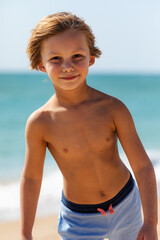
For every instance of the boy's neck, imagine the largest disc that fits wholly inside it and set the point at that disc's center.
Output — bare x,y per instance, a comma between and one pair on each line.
70,98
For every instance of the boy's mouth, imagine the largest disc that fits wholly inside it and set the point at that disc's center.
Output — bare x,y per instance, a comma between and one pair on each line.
69,77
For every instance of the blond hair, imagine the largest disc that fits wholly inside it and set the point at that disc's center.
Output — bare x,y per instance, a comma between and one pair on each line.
52,25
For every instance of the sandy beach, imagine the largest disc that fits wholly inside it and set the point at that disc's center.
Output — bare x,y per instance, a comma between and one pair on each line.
44,229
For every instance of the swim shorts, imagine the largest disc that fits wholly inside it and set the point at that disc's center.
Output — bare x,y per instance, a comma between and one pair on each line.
121,220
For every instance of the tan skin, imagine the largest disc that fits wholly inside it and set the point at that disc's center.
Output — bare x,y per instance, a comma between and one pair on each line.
80,127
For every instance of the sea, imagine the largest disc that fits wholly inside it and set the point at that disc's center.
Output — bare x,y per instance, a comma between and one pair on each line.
22,93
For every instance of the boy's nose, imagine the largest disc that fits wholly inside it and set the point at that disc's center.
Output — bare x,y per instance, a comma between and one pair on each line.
68,67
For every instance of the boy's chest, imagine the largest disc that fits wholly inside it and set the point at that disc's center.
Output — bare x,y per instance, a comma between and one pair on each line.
81,131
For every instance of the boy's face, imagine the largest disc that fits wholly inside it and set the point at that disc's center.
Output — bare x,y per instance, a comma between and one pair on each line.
66,59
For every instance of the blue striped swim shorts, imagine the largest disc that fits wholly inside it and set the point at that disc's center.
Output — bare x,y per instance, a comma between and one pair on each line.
121,221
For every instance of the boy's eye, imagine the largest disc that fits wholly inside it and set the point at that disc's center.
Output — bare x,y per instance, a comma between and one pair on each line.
77,56
56,58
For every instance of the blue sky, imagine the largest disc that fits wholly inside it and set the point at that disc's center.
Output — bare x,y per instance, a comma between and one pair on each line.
127,31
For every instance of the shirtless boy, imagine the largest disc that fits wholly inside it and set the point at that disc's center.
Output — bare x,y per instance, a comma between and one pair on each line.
80,126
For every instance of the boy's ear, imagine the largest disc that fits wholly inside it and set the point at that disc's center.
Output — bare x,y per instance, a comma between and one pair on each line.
41,67
92,60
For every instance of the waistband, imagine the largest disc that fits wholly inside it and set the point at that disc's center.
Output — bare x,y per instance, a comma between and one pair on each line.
92,208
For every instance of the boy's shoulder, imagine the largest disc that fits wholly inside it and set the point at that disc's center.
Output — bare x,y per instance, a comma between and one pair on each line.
39,116
37,123
36,116
111,101
114,105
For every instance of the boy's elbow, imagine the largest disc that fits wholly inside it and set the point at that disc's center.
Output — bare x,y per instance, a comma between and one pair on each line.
30,183
146,169
30,175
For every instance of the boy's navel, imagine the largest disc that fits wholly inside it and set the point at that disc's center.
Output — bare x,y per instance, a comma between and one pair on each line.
102,193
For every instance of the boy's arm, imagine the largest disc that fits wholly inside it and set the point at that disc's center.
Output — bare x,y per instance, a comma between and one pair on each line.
142,168
31,176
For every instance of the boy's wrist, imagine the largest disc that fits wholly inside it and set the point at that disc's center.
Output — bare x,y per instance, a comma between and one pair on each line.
150,222
26,238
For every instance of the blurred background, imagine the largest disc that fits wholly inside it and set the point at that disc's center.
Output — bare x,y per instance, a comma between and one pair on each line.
127,32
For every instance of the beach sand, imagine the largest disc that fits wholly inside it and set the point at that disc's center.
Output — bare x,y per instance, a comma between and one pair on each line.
44,229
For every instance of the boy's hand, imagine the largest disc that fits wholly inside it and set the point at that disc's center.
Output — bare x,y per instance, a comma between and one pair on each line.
147,232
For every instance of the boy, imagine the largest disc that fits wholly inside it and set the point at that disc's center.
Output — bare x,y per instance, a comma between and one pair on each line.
80,126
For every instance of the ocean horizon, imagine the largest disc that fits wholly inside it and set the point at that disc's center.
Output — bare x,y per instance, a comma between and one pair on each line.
23,93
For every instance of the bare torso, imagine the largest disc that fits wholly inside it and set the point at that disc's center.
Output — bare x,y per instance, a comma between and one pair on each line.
83,141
